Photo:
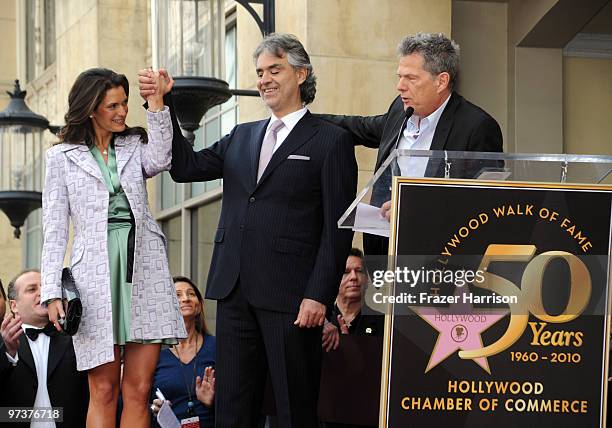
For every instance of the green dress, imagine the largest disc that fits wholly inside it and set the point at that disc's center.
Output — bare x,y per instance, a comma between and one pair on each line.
120,224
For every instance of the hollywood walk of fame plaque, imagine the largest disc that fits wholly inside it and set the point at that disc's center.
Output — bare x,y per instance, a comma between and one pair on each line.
499,305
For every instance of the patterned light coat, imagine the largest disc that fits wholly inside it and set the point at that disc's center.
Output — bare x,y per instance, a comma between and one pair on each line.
75,191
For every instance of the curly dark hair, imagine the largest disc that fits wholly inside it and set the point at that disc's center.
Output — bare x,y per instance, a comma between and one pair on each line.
85,96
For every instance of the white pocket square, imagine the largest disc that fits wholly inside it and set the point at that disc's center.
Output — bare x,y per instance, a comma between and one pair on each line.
299,157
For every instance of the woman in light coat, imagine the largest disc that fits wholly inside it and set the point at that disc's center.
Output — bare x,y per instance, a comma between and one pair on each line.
95,178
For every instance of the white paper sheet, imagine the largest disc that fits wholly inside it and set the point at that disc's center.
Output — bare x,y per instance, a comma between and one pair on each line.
369,220
166,417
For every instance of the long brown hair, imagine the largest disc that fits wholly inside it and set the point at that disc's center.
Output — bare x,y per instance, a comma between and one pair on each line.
200,321
85,96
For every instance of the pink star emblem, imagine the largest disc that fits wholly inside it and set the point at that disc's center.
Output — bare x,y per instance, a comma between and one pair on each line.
459,327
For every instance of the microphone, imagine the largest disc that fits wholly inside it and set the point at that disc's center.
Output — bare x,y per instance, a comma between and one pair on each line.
407,113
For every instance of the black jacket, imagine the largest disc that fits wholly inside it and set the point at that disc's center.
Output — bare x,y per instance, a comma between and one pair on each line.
462,126
67,387
279,236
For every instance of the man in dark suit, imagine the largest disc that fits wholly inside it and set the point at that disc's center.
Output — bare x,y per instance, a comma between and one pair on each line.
442,120
279,254
38,369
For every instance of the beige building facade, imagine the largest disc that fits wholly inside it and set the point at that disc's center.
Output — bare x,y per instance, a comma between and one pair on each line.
9,248
547,81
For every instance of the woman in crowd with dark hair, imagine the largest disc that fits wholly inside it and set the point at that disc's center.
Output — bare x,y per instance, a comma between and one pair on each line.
185,373
96,180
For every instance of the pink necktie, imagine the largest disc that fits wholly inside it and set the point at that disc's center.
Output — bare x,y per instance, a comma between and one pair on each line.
267,147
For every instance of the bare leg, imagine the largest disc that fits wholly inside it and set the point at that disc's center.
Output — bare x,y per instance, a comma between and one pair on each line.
103,393
140,361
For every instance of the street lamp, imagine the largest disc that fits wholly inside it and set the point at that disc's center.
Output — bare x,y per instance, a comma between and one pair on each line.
193,97
21,163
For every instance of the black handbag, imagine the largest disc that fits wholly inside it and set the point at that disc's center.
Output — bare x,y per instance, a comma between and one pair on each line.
71,300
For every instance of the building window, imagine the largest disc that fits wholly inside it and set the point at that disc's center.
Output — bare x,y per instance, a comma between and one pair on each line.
172,231
204,220
49,32
188,36
196,38
39,36
219,120
192,39
33,240
171,192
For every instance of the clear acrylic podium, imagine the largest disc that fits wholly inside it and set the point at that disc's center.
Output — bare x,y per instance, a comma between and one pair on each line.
363,214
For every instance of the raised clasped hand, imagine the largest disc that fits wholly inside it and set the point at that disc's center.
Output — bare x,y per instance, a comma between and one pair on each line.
153,85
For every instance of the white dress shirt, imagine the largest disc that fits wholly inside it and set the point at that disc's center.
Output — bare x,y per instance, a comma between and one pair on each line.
40,354
418,135
289,121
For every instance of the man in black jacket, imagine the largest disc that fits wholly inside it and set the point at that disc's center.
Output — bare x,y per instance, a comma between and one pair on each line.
279,254
442,120
38,368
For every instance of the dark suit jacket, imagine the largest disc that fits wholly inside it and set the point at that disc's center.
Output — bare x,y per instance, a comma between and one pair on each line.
67,387
463,126
279,236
